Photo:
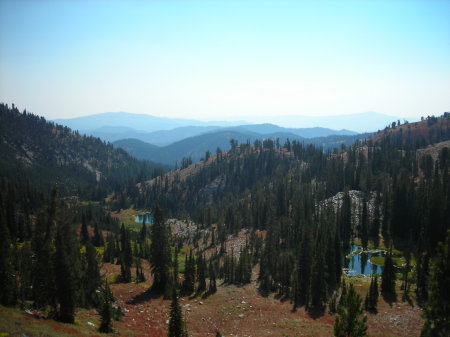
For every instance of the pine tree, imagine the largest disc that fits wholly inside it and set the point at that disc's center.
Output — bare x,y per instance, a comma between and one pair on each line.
375,224
372,295
349,322
364,225
65,276
160,251
212,278
143,232
126,256
176,322
92,279
8,291
84,234
388,276
98,240
43,248
106,311
189,275
437,312
140,277
201,272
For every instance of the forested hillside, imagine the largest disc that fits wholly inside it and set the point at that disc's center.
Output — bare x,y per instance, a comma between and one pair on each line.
282,189
43,154
195,148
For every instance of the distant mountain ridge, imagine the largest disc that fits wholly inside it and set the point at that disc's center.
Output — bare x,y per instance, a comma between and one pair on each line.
195,147
139,122
361,122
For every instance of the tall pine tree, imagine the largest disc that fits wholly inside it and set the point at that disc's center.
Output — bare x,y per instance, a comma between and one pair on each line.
160,251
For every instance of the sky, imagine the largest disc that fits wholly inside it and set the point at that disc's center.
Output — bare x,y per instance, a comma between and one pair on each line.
225,60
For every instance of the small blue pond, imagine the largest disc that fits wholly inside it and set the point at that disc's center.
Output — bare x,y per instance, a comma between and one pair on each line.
359,264
140,218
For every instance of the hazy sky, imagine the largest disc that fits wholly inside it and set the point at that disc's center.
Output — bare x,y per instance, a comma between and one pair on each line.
225,59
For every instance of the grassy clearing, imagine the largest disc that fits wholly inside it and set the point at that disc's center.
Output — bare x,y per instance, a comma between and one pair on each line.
14,322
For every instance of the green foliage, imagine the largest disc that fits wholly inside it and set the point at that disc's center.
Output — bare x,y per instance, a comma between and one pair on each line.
65,261
126,255
160,256
44,154
91,279
371,300
106,310
437,311
349,322
8,289
388,276
176,323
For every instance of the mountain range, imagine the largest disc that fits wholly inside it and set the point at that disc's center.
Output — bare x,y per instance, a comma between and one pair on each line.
196,147
168,140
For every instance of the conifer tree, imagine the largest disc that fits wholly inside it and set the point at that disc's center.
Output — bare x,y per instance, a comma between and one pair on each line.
349,322
126,255
143,232
43,248
140,277
98,240
160,251
92,279
372,295
212,278
437,312
388,276
84,234
189,275
345,219
8,291
201,272
65,277
364,225
176,322
106,311
375,224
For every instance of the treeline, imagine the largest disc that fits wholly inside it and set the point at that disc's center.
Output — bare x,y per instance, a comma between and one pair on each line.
49,268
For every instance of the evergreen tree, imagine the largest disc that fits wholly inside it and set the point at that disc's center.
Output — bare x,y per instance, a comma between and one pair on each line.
106,311
189,275
212,278
372,295
65,277
364,225
84,234
92,279
160,251
201,272
98,240
43,248
8,291
345,219
437,312
140,277
349,322
388,276
126,255
375,224
176,322
143,232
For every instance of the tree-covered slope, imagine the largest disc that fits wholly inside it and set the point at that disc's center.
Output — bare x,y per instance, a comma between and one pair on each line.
44,154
